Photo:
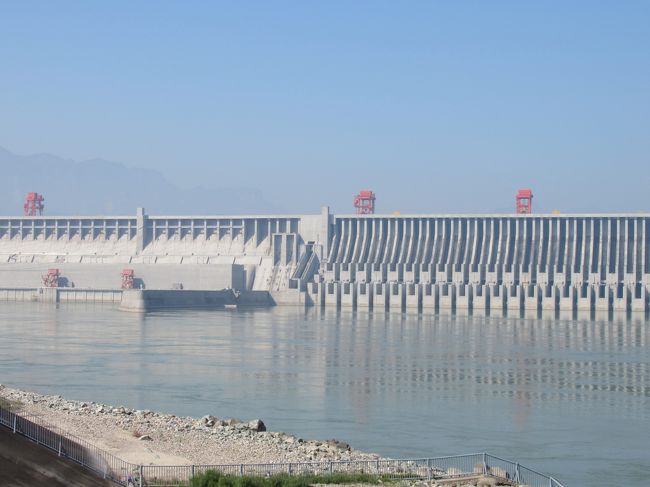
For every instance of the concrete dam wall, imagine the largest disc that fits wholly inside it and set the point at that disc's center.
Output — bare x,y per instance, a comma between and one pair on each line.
195,253
487,262
371,262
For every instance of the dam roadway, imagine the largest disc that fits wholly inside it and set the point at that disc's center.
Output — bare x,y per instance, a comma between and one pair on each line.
421,263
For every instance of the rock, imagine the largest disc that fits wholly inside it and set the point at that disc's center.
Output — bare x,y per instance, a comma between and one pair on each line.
192,436
209,420
498,472
486,482
340,445
256,425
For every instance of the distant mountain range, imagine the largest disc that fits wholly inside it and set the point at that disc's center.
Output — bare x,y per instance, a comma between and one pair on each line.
98,186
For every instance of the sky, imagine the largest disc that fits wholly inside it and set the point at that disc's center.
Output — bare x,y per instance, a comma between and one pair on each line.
436,106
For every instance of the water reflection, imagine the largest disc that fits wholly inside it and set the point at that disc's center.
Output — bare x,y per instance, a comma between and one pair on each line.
544,390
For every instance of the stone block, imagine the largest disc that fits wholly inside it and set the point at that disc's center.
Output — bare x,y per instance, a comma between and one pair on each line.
413,297
464,295
364,296
348,295
447,296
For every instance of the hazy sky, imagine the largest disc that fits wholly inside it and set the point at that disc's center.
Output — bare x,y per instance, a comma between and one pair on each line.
437,106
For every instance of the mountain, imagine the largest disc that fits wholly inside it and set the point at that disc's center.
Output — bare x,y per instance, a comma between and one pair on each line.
102,187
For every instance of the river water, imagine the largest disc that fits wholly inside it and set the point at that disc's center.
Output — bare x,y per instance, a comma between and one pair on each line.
570,398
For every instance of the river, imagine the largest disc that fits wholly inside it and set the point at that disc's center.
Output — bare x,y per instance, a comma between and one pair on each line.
568,397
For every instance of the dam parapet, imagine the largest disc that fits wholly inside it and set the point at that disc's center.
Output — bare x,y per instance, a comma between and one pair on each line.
372,262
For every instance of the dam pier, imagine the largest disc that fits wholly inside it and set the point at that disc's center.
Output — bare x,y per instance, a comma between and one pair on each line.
402,263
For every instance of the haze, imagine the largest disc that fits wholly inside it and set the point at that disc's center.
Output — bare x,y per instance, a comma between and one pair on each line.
437,107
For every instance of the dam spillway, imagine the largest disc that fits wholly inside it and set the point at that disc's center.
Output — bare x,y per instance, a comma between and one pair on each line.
366,262
489,262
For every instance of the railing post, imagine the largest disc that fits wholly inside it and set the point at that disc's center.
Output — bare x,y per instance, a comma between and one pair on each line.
290,469
485,467
241,469
517,474
14,422
141,475
428,469
192,471
59,446
331,471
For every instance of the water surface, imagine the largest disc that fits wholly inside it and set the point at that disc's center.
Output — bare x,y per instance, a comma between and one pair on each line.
568,397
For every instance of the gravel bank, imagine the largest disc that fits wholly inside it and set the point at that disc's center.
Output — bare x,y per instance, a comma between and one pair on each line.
153,438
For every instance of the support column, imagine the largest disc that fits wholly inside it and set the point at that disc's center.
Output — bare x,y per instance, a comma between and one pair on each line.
325,230
141,223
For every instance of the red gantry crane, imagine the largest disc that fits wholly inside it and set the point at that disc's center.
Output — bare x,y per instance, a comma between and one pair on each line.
34,205
524,200
127,278
364,202
51,279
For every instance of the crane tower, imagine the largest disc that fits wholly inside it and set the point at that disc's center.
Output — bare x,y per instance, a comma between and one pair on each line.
364,202
524,201
34,205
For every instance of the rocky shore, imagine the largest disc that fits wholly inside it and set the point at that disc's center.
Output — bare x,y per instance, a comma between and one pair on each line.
154,438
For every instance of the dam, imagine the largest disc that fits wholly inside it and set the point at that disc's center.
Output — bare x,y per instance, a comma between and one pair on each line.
401,263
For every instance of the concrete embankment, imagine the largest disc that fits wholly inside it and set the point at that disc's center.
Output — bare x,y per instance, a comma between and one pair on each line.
140,300
26,464
155,299
57,295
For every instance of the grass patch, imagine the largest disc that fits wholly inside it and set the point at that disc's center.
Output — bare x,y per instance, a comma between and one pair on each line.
214,478
9,404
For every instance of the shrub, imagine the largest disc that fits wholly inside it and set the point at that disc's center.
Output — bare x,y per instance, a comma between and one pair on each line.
208,479
9,404
213,478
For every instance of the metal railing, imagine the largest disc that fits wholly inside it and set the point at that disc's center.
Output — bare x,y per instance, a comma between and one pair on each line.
112,468
66,445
